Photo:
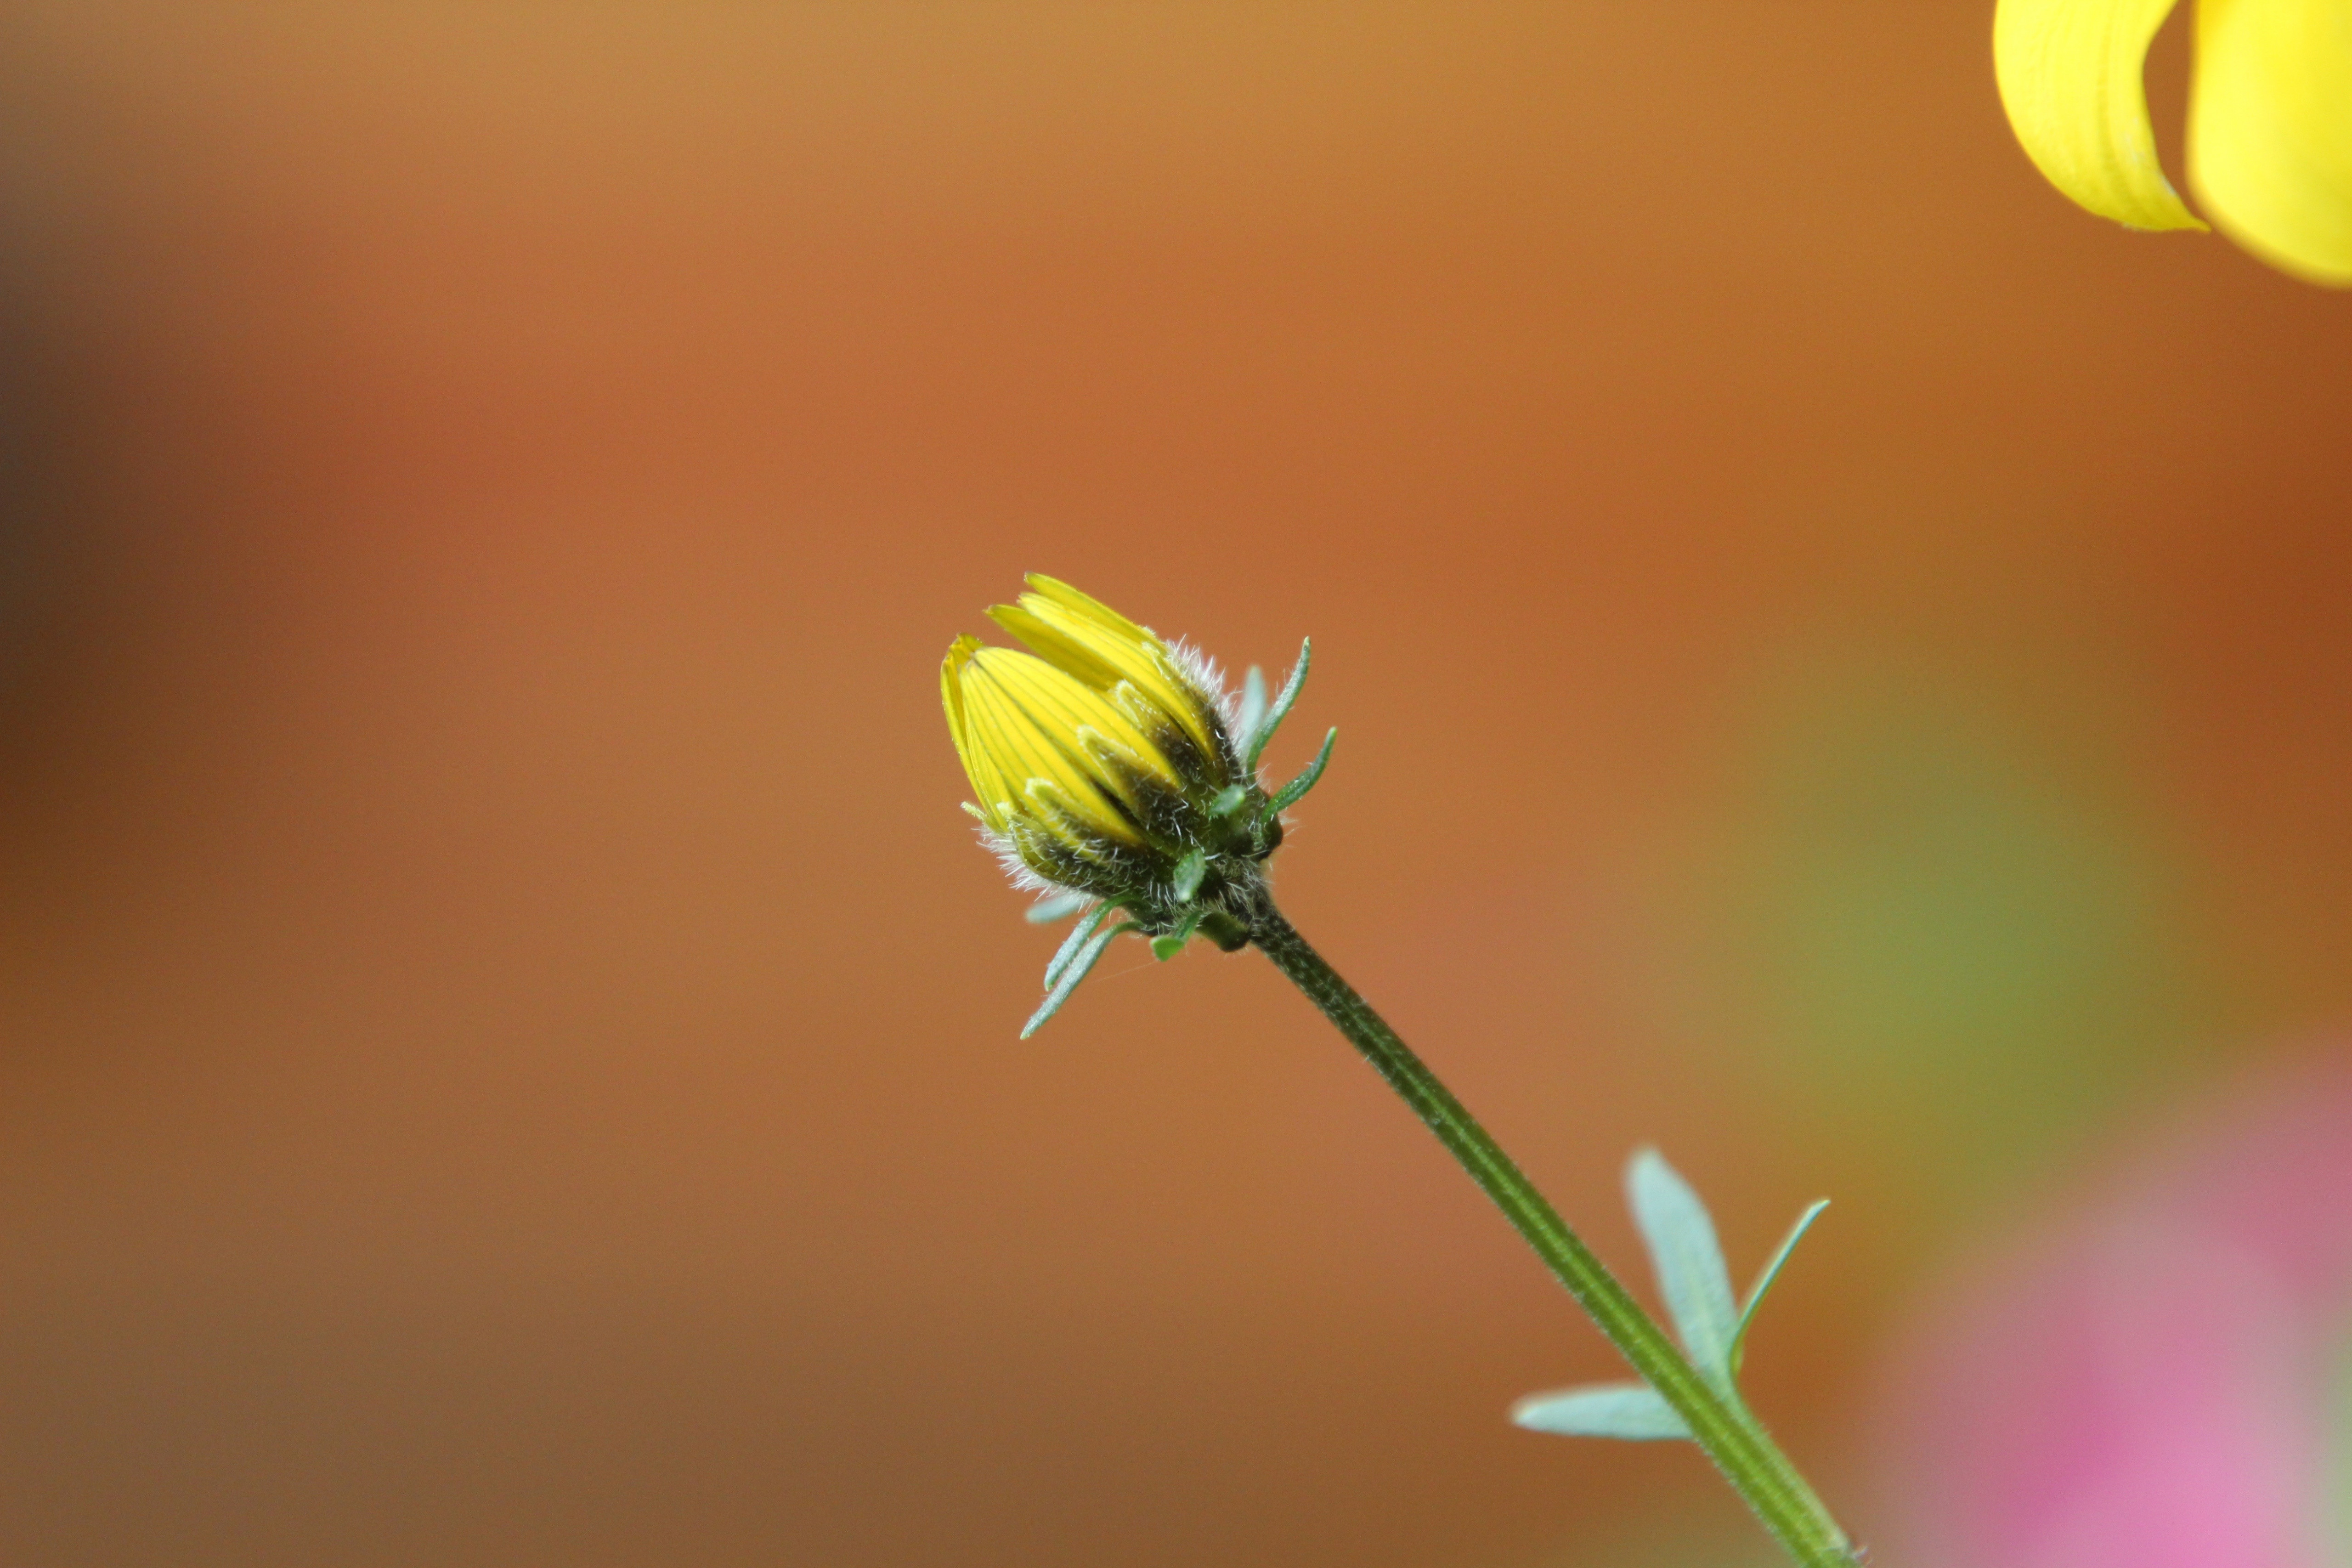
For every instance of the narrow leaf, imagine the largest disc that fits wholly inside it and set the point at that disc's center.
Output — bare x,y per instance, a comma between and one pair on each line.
1688,1262
1634,1411
1188,875
1072,974
1080,934
1054,906
1288,794
1253,711
1772,1272
1280,711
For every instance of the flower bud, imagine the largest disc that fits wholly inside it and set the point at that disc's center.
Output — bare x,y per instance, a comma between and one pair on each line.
1104,760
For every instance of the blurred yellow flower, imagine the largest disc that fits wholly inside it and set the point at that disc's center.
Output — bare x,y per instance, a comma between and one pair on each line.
2270,118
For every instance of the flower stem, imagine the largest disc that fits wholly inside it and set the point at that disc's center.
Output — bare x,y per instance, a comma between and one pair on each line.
1722,1426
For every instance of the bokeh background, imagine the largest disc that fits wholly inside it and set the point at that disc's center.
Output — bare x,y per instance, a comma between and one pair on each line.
507,1045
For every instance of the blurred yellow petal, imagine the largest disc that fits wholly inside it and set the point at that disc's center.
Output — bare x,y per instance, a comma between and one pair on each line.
2270,130
2070,74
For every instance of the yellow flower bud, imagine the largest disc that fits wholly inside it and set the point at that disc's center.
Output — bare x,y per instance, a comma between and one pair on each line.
1103,758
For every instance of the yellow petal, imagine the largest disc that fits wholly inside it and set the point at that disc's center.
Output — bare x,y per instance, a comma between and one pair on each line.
1020,746
983,765
1072,711
2270,130
951,688
2069,78
1080,651
975,766
1055,591
1099,645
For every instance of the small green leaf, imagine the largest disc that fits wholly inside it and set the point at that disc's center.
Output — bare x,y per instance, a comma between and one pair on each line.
1634,1411
1080,934
1253,711
1229,800
1072,973
1688,1262
1288,794
1054,906
1189,871
1280,710
1771,1272
1169,945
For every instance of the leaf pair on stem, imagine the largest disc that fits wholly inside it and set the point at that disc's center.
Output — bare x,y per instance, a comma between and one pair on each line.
1688,1262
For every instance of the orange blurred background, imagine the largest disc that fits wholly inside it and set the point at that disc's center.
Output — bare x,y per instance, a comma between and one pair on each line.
1841,659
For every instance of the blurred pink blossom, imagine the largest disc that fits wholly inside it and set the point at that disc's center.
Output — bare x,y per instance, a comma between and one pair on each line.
2158,1380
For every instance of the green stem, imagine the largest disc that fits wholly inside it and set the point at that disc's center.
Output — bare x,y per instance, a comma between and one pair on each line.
1749,1459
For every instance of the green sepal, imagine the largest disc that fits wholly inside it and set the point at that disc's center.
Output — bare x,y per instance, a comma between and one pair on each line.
1771,1272
1168,945
1279,710
1186,880
1054,906
1630,1412
1075,970
1253,711
1288,794
1080,934
1229,801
